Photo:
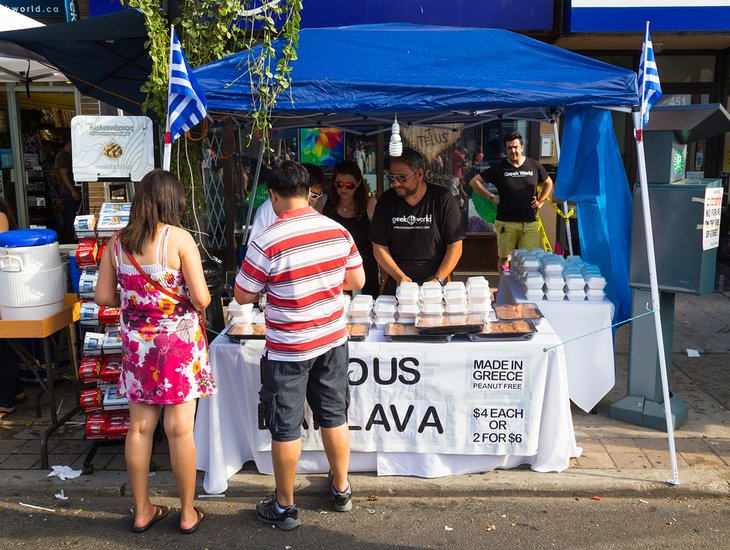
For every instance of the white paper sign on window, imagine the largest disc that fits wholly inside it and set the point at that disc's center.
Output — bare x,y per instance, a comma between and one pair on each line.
711,220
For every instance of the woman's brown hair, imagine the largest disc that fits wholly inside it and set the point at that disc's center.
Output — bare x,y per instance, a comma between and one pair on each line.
362,192
158,198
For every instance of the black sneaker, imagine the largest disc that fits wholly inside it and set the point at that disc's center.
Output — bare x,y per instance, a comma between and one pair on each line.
287,520
343,501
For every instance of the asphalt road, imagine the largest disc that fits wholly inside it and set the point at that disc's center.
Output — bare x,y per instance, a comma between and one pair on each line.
382,523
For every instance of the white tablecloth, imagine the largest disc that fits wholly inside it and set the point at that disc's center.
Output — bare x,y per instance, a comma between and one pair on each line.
227,432
589,360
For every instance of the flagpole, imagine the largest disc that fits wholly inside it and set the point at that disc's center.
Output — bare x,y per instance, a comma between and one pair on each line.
644,54
167,151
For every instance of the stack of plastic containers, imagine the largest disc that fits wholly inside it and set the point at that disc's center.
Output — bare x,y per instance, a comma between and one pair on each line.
455,298
408,296
478,295
432,298
385,310
549,276
361,309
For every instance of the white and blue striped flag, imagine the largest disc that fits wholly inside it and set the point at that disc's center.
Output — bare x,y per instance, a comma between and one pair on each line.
649,85
186,104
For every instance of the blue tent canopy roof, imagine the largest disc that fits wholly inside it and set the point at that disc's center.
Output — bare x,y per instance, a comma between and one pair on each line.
461,73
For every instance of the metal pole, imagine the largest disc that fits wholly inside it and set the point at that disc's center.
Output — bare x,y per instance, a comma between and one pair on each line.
16,143
252,194
649,235
568,232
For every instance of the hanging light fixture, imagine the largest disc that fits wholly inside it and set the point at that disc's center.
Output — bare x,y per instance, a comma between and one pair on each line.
395,147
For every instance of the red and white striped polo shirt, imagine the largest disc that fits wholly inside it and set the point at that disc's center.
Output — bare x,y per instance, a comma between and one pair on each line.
301,260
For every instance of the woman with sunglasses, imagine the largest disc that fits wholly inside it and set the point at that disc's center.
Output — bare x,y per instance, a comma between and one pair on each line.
350,205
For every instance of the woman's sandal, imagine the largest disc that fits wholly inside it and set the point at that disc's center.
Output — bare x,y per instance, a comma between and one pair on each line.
161,512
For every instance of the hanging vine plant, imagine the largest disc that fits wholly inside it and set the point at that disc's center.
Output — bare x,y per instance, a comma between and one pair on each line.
209,30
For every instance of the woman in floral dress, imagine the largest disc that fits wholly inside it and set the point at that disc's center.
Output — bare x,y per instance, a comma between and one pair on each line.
165,357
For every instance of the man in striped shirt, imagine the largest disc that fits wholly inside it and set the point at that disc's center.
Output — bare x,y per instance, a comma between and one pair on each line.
304,261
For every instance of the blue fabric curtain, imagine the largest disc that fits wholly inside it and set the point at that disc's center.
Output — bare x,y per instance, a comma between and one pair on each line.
592,174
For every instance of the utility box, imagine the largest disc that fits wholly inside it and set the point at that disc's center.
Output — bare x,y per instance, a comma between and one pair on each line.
666,157
678,216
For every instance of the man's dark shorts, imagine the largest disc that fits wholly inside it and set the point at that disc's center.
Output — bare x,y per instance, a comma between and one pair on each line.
322,380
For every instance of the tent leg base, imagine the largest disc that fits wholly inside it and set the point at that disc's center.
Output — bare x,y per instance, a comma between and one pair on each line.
636,409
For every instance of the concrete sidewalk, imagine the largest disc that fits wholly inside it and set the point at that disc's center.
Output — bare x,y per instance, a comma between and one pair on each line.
618,459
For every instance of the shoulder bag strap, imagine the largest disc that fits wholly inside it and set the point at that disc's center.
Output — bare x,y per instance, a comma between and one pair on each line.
158,286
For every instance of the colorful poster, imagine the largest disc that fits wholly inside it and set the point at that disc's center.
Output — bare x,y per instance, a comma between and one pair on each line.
321,146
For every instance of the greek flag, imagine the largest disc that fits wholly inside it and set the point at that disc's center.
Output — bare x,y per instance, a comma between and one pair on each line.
186,104
649,85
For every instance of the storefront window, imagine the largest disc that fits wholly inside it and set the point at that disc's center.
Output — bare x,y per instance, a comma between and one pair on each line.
686,68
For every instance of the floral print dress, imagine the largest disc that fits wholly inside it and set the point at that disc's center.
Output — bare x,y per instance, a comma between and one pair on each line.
165,359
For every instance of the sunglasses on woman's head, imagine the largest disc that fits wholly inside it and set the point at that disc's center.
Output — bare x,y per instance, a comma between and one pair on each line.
345,184
400,178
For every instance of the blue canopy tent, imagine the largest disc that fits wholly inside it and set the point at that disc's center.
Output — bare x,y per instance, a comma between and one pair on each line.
366,74
431,75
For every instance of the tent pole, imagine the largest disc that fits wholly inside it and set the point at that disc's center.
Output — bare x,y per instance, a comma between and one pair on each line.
568,232
649,235
252,194
16,143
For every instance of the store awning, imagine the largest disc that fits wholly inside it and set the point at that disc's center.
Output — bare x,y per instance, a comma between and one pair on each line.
104,57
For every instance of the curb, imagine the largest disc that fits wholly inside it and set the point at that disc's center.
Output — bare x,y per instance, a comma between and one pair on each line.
711,483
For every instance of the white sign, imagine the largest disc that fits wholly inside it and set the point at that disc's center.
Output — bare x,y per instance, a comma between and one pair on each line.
406,398
111,147
711,218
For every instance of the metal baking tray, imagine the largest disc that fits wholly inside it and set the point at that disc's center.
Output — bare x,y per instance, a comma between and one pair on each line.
521,329
245,331
450,324
514,312
411,334
364,329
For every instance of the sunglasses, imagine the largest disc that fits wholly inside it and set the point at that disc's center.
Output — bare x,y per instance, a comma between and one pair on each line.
314,196
345,184
400,178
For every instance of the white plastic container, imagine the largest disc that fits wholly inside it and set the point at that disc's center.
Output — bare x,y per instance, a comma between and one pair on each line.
479,294
534,294
575,282
575,295
595,282
555,282
386,300
595,294
32,282
408,311
431,295
360,308
555,295
407,295
456,308
364,320
458,285
477,282
531,264
431,310
533,280
385,309
454,295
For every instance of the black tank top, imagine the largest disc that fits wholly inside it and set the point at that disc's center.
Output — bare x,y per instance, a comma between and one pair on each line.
359,228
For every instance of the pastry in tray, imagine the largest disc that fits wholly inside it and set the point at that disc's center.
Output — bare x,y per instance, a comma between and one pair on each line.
450,324
357,331
520,329
246,330
508,327
508,312
398,332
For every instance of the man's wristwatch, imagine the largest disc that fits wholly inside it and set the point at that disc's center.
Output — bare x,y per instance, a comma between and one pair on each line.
490,198
439,279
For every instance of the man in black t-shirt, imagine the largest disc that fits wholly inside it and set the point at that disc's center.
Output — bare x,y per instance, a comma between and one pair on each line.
516,179
416,227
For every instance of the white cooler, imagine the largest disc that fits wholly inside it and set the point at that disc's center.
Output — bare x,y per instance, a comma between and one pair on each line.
32,282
